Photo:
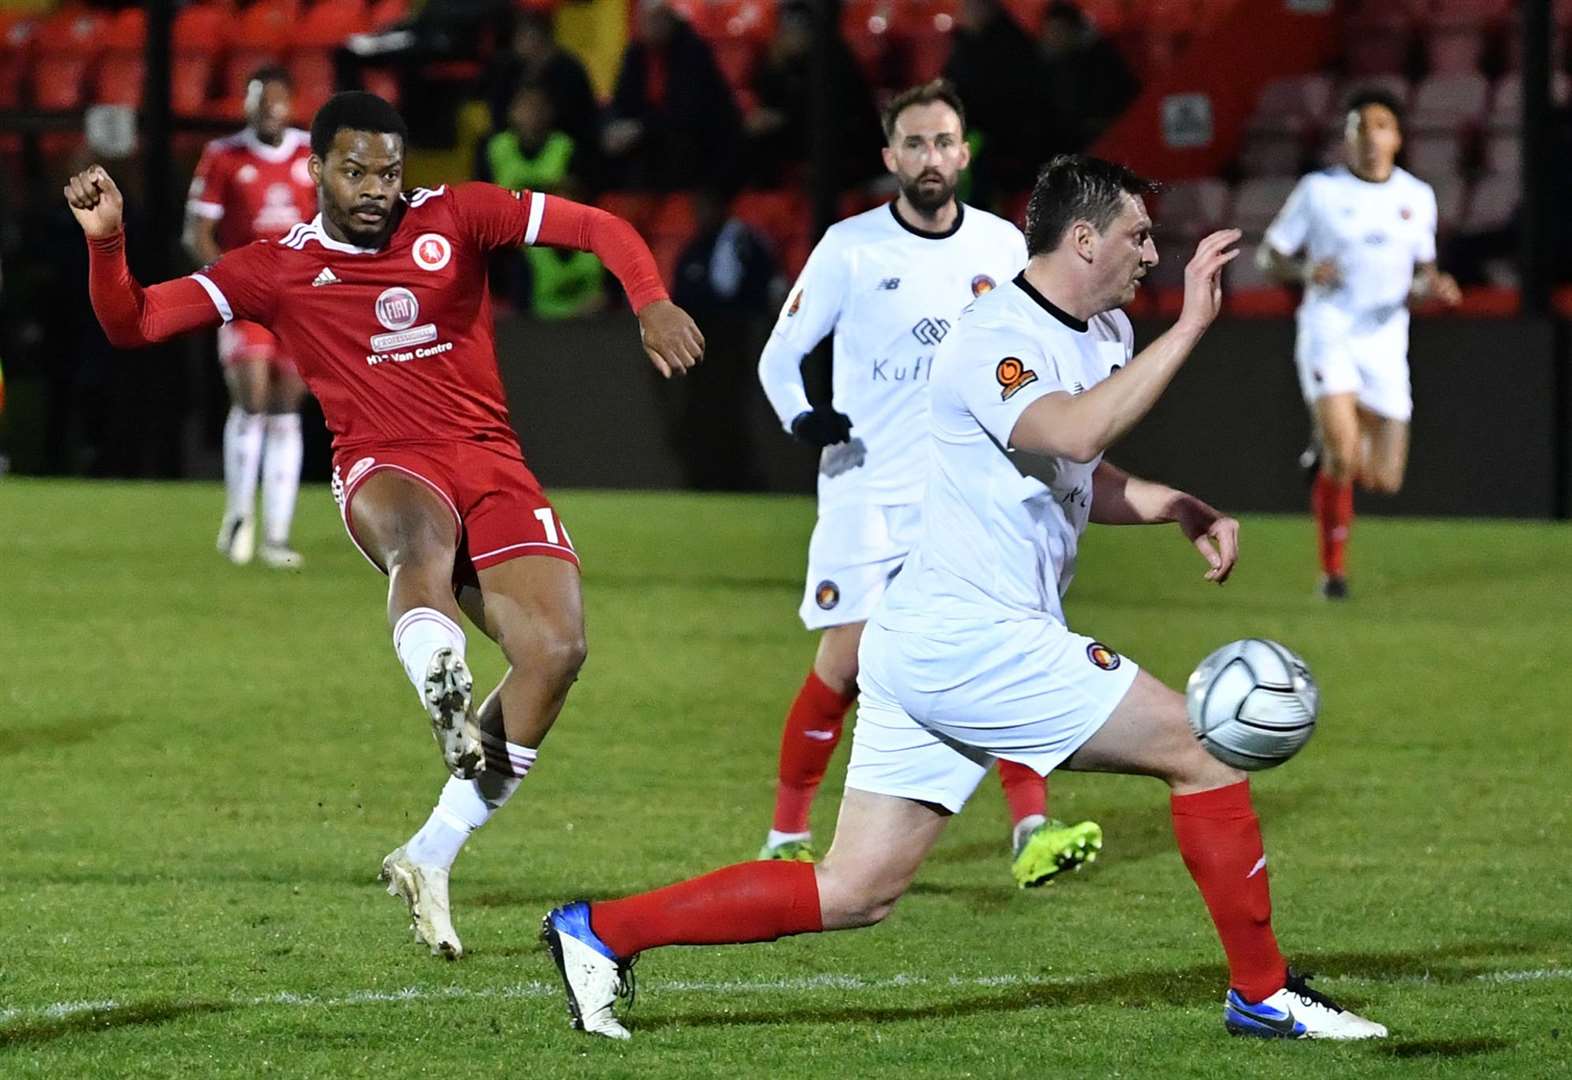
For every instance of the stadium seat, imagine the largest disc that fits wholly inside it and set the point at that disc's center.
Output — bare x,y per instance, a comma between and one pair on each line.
67,45
1454,50
1451,200
1293,104
120,73
1475,13
1376,52
1390,83
1432,154
16,35
1257,201
1192,208
1504,154
312,41
1449,102
257,38
384,13
1271,153
782,216
1506,100
1491,204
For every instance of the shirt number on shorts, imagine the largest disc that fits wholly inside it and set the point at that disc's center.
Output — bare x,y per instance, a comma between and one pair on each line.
556,532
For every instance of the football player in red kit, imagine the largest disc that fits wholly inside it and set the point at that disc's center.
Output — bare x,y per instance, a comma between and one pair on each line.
256,185
381,300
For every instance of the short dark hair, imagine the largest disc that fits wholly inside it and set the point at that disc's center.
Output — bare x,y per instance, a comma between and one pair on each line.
1375,95
941,90
1074,187
270,73
354,110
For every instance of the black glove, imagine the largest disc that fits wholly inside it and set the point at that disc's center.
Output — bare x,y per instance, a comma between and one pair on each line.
821,426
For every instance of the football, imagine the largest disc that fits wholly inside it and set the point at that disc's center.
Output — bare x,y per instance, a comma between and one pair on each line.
1252,703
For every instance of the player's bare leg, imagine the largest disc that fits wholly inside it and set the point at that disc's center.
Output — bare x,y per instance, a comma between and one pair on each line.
411,533
1386,453
1220,841
880,841
282,450
813,728
244,431
1332,495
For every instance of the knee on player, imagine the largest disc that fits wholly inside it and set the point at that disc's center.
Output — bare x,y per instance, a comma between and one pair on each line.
1382,481
549,645
1340,459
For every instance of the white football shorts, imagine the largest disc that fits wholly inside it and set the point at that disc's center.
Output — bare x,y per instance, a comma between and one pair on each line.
1371,363
938,707
856,551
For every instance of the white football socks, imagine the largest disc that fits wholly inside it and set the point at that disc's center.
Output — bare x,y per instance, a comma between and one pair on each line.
465,805
418,634
281,454
1023,831
242,460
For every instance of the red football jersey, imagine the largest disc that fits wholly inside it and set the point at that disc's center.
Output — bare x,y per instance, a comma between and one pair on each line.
254,191
396,343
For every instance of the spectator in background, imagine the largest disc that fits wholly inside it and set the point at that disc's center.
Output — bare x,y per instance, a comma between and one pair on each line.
534,154
778,127
537,59
995,67
729,276
673,121
1084,79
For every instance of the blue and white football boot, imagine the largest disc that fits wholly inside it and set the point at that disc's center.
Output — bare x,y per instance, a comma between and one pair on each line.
593,976
1296,1012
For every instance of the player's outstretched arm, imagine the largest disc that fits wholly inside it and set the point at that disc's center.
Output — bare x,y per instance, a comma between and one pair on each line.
1082,426
1121,499
131,316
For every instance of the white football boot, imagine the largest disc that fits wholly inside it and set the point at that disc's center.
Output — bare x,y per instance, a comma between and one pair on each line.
237,539
448,691
281,557
1296,1012
593,976
425,890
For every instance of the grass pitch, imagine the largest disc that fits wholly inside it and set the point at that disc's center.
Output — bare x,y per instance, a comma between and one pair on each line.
203,766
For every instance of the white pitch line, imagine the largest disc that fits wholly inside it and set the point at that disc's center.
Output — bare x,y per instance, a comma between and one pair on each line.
806,984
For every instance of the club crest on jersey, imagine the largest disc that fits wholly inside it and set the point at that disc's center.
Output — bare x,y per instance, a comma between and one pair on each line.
431,251
1102,656
1405,213
827,595
982,283
1012,375
397,308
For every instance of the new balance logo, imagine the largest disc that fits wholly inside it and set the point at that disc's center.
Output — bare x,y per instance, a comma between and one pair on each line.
890,284
326,277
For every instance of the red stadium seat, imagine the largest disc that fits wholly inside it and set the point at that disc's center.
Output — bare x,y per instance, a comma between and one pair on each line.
1451,200
782,216
328,22
258,38
1271,153
67,45
385,13
1504,154
1454,50
1475,13
16,37
120,72
1491,204
1389,82
1194,207
191,75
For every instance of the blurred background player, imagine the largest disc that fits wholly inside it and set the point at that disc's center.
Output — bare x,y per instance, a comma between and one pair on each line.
1361,239
382,300
889,283
255,185
968,658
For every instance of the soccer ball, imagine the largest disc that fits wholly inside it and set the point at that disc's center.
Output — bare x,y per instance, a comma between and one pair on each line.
1252,703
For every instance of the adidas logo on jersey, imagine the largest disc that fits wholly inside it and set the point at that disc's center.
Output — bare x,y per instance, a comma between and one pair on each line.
326,277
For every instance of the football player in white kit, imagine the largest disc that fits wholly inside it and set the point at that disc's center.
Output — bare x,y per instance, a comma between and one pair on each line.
968,658
1361,239
889,284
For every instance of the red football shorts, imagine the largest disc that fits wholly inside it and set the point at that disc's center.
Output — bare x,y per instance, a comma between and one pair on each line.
240,341
499,509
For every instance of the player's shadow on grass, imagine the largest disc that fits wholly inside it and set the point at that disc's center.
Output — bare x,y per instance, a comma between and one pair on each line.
1192,986
23,1033
54,736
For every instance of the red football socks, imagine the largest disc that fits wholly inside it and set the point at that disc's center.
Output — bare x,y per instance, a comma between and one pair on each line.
752,901
1220,841
813,727
1332,504
1025,792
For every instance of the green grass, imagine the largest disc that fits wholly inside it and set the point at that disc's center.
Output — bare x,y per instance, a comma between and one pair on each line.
201,767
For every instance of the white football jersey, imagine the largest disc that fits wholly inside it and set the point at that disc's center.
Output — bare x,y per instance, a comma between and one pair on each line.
1000,526
1375,233
890,294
